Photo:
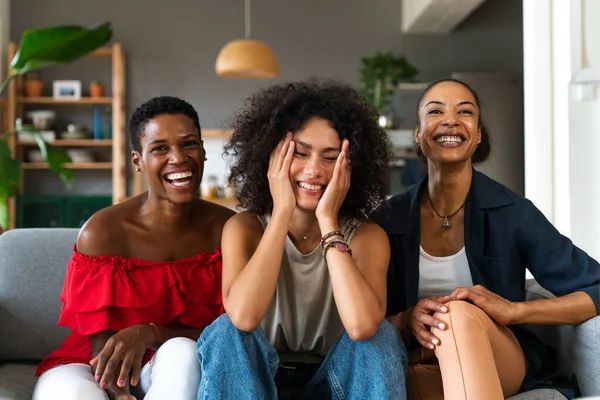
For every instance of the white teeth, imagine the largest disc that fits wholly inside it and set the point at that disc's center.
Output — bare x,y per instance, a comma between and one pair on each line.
179,175
180,183
308,186
449,139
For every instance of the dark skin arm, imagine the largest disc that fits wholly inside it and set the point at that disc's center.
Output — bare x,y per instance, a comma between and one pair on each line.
123,351
114,392
573,308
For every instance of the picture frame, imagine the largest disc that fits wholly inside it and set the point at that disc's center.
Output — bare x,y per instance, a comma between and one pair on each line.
66,90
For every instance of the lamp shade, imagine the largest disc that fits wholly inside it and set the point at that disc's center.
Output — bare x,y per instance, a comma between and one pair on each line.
247,59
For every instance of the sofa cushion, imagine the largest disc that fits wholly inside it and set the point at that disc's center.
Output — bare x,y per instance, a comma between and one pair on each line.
32,270
539,394
578,346
17,381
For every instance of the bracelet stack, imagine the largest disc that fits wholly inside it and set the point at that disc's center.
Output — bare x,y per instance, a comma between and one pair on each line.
339,244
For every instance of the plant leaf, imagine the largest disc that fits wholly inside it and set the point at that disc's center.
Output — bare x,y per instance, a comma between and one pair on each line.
53,155
58,45
10,172
3,214
6,83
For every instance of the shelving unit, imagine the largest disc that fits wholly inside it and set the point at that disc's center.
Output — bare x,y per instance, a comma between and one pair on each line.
50,100
73,143
412,86
216,133
80,165
16,103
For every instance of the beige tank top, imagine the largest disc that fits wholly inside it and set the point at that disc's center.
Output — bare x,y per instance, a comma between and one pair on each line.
303,322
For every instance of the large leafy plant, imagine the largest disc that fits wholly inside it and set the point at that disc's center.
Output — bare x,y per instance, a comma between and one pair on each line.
41,48
380,75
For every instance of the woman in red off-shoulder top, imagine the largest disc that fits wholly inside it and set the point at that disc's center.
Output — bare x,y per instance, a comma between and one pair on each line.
145,276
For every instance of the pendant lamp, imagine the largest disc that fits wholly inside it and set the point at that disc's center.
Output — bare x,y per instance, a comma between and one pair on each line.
247,58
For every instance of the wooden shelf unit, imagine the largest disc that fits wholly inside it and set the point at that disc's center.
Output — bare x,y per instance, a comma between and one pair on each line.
216,133
79,165
15,103
72,143
51,100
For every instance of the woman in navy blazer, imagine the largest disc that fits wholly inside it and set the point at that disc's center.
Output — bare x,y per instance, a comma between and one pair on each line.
461,243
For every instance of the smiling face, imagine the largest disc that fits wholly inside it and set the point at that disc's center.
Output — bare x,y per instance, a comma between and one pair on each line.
317,148
449,129
172,157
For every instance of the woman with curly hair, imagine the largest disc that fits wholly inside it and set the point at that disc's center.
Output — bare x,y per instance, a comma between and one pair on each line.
304,269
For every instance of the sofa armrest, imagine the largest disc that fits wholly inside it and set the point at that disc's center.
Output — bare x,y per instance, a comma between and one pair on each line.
578,346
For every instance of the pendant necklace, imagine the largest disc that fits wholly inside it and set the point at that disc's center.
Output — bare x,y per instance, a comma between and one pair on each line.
446,223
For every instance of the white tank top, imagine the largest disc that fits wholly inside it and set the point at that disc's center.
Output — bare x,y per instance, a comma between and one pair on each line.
439,276
303,322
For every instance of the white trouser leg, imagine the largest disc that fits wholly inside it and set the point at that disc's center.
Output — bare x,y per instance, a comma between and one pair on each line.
68,382
173,372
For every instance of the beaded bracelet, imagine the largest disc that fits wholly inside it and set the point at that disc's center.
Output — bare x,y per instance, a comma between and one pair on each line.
328,235
339,244
157,332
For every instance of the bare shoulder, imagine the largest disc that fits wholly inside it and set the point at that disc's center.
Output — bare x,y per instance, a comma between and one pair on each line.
221,214
245,221
105,233
369,234
212,218
241,236
371,247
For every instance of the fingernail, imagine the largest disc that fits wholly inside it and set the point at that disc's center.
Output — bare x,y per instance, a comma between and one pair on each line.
442,325
435,341
103,385
431,346
121,382
444,308
98,378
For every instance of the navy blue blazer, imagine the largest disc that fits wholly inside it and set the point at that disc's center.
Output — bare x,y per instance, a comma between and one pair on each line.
505,234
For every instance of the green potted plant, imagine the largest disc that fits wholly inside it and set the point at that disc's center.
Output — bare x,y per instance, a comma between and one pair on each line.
33,86
40,48
96,89
379,78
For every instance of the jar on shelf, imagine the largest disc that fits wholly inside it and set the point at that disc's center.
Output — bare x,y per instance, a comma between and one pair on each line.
209,189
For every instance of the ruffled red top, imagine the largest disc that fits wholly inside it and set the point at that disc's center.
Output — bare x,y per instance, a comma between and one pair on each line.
112,293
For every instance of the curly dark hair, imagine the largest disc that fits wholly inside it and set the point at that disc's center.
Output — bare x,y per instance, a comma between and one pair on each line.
153,108
482,152
271,113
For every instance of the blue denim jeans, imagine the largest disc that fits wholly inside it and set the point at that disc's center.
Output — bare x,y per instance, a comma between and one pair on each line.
244,365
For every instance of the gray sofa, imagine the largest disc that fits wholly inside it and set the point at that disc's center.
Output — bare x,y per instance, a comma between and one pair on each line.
32,267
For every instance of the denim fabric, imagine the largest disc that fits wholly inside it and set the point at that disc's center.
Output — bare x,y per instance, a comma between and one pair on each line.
244,365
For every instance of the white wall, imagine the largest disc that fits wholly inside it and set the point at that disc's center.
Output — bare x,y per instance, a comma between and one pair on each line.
562,130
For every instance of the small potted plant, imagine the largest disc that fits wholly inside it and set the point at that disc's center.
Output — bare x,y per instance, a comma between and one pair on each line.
96,89
33,86
379,78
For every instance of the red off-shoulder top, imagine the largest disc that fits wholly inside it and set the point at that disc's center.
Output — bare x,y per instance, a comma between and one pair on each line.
112,293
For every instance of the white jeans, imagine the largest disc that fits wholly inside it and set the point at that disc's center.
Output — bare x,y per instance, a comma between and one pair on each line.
173,373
